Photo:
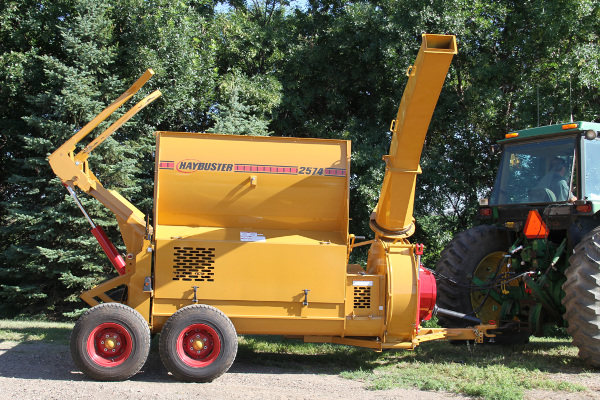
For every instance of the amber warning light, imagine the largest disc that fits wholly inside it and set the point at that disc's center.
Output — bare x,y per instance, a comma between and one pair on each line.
569,126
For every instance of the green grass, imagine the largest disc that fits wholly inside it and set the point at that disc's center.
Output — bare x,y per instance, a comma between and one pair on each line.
489,382
29,331
489,372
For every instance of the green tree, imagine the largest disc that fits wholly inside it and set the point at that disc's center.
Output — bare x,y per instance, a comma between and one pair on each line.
48,261
245,104
252,41
344,80
58,81
333,70
176,40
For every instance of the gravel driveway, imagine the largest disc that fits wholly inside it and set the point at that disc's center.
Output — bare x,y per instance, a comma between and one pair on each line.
39,370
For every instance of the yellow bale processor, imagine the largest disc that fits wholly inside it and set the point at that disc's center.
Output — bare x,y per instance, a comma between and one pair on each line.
250,236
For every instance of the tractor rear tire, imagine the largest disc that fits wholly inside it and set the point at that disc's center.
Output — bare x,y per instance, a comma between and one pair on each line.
582,297
198,343
459,261
110,342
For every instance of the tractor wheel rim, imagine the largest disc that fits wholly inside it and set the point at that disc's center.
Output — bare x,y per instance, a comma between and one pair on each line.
485,271
109,345
198,345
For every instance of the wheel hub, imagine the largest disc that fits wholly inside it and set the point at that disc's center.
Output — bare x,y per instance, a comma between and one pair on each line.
488,270
109,344
198,343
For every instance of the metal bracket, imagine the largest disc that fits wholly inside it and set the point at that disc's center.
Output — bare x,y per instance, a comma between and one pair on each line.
419,249
195,299
305,302
419,252
411,71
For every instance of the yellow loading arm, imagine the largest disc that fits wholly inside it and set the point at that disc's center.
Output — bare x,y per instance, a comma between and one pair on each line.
393,216
73,169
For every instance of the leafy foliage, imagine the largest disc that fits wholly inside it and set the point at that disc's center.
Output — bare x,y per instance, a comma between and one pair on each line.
48,260
333,69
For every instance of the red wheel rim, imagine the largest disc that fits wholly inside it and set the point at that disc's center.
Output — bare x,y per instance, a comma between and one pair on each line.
109,344
198,345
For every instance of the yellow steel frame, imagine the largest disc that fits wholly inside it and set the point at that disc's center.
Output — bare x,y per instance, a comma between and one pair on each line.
476,333
73,170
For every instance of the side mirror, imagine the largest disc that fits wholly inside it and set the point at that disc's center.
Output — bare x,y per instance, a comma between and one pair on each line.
591,134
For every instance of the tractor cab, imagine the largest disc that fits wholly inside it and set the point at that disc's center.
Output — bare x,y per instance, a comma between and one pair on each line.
536,172
550,169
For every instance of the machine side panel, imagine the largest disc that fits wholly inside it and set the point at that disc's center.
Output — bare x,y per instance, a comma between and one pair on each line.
252,182
250,266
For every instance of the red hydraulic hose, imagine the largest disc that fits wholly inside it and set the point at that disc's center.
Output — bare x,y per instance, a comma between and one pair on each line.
110,249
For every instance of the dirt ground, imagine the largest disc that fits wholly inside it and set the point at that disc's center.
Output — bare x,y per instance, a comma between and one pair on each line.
38,370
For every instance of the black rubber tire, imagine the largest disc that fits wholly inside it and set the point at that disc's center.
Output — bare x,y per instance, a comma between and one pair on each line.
582,297
458,260
131,346
218,334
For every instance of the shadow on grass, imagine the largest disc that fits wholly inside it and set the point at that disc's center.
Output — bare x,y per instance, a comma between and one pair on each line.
551,356
293,355
50,358
491,371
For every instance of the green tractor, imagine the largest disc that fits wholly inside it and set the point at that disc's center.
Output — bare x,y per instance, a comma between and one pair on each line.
535,260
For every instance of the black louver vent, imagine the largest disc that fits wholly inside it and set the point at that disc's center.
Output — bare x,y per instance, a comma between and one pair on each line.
362,296
194,264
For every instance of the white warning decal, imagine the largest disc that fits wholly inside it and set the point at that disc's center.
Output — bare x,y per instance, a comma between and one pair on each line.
362,283
252,237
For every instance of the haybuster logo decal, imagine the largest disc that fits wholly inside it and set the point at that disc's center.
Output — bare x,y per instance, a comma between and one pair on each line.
191,165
